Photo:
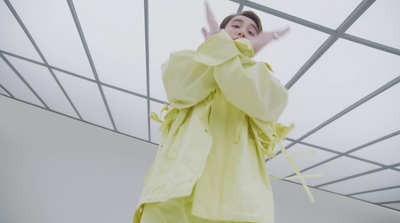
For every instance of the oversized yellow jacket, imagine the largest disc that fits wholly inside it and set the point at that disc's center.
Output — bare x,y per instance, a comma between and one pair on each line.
220,125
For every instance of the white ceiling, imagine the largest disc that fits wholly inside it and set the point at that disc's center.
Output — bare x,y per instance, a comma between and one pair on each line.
99,62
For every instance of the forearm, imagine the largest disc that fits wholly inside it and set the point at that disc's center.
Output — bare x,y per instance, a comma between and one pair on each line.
260,41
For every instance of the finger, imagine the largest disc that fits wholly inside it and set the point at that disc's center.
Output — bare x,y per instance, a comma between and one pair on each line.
204,31
212,22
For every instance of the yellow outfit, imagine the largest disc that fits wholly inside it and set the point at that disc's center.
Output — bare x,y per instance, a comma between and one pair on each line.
220,125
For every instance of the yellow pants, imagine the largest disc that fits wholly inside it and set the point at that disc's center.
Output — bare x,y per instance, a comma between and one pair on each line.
176,210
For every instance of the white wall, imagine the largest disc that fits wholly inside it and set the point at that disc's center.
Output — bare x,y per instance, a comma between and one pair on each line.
55,169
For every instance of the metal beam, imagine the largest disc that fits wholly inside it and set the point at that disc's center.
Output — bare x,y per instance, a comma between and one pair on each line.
361,8
147,42
89,56
372,191
24,81
2,87
9,5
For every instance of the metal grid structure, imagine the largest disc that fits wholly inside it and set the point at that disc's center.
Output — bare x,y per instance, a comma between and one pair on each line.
368,169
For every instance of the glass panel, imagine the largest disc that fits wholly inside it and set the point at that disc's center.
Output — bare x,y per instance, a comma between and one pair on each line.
327,13
129,112
379,23
3,92
337,80
179,32
381,179
40,79
287,55
395,206
114,31
52,27
369,121
154,126
87,99
386,152
279,165
14,39
348,167
381,196
10,81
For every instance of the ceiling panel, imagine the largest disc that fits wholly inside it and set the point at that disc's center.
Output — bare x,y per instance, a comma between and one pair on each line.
44,84
279,165
375,118
288,54
10,81
394,205
175,33
154,126
87,99
129,112
117,42
377,180
380,196
326,13
380,23
338,79
333,171
3,92
386,152
14,39
100,52
52,27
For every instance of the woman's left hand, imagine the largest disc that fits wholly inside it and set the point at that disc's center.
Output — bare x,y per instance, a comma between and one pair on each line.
262,39
212,23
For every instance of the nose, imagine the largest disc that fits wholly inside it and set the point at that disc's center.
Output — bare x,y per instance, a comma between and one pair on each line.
242,34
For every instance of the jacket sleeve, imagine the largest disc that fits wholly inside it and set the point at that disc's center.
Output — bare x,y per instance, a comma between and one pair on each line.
186,81
248,85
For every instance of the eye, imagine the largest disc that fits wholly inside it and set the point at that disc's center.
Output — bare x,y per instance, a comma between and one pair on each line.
235,26
251,33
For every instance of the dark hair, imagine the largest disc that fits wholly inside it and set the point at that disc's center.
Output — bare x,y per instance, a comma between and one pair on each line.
249,14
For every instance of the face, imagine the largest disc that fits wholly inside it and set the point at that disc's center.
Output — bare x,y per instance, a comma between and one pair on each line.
241,27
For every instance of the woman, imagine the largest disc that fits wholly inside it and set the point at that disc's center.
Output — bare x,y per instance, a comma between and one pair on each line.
220,125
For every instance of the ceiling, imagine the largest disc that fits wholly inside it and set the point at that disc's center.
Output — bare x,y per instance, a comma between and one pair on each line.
99,62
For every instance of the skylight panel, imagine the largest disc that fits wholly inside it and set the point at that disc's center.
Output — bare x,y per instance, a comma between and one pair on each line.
346,73
87,99
114,31
327,13
380,23
41,80
10,81
53,29
375,118
14,40
129,112
380,179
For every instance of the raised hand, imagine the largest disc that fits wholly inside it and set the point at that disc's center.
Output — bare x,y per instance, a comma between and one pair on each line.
212,23
262,39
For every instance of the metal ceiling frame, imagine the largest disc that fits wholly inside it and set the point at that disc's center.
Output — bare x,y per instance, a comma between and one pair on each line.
334,36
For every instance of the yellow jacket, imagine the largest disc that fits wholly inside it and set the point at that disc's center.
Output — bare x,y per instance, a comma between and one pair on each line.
220,125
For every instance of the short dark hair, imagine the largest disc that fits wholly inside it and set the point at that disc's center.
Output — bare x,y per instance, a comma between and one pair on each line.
249,14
